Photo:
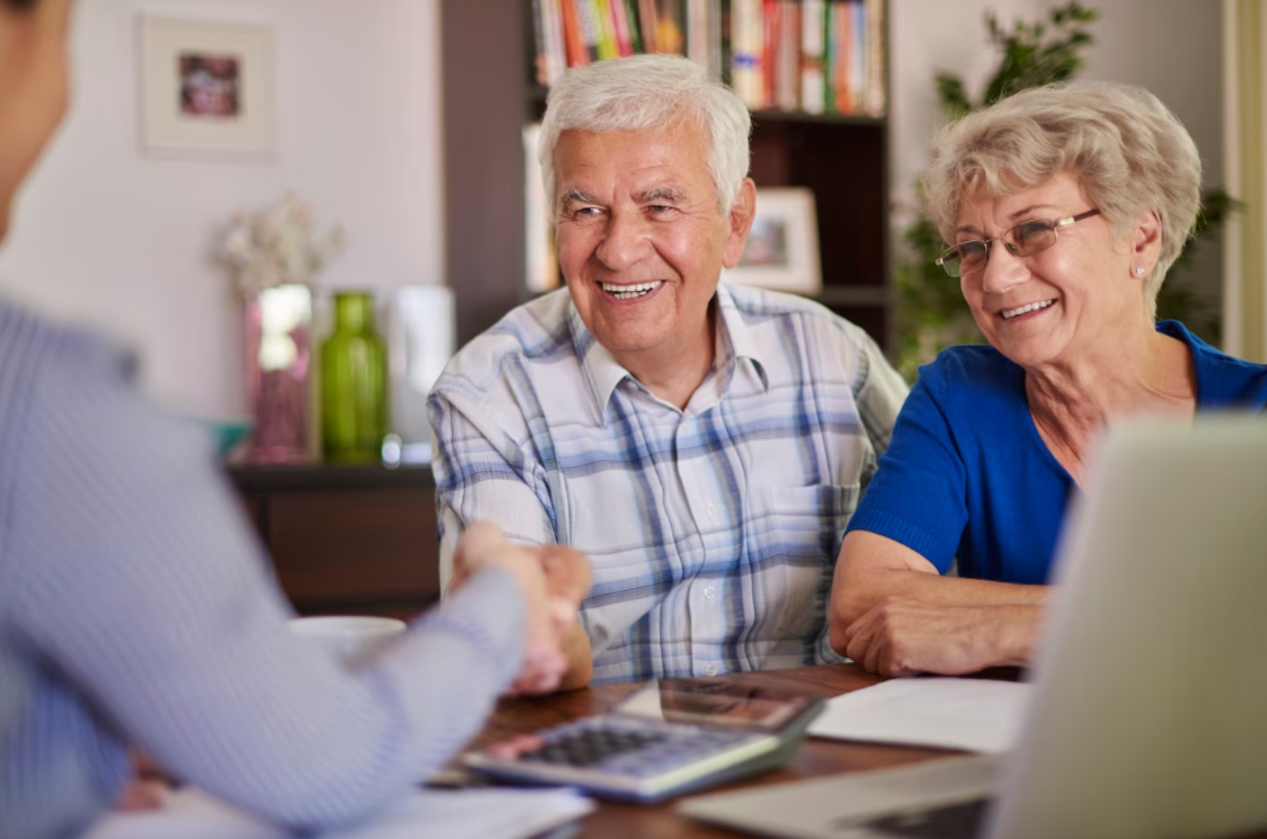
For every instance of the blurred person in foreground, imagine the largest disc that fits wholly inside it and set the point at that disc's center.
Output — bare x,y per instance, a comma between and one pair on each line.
1064,206
703,444
135,608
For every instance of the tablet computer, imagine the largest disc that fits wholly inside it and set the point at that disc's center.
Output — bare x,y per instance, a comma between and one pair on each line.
672,736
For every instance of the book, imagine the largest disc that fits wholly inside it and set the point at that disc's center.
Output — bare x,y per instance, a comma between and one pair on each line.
771,19
577,53
813,30
859,46
540,69
590,27
647,25
787,74
697,44
551,69
620,25
839,41
877,83
604,30
668,34
746,44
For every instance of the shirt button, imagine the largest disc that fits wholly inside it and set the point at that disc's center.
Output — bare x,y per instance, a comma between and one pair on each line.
709,591
710,511
710,670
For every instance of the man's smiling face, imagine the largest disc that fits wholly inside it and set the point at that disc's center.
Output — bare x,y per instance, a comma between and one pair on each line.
642,239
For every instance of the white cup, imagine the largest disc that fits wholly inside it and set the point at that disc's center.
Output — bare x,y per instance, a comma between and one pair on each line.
349,638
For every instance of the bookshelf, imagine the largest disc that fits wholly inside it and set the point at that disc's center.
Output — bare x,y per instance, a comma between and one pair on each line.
490,93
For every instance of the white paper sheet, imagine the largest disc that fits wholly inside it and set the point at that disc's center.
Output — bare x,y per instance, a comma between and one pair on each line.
977,715
452,814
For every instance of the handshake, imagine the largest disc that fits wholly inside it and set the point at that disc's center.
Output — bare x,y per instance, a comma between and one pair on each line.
554,580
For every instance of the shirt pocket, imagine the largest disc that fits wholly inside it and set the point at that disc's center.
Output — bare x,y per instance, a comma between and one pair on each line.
791,538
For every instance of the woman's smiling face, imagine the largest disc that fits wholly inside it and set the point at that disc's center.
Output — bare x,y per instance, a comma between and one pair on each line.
1051,306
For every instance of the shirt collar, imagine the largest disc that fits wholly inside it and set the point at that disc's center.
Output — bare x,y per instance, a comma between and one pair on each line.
603,373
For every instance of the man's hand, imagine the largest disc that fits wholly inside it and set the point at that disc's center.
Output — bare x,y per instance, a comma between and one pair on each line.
903,637
554,580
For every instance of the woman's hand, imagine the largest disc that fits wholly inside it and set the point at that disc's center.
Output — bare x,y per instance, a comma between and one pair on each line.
903,637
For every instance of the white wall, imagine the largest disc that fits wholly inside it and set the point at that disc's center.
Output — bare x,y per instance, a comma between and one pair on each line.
105,235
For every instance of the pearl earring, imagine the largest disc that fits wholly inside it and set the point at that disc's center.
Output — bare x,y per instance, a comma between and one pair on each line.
1139,272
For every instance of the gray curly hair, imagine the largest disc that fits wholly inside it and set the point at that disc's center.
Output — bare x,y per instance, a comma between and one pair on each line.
1128,151
651,93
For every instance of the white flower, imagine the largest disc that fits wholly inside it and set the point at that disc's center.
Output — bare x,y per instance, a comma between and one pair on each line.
276,247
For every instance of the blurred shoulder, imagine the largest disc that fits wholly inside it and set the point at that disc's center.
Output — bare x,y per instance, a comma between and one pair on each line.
537,333
33,349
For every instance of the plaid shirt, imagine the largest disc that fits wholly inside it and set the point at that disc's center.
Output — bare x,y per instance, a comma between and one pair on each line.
713,530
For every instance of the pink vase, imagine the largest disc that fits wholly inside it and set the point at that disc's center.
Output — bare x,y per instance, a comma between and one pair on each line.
278,360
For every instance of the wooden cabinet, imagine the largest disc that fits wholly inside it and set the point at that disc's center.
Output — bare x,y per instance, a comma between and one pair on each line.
347,539
489,95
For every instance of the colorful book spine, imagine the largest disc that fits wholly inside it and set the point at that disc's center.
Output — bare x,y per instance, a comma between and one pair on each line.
812,56
591,29
877,83
647,25
771,14
716,40
605,30
577,53
787,75
858,49
841,42
668,37
629,20
555,49
540,69
697,32
746,37
813,37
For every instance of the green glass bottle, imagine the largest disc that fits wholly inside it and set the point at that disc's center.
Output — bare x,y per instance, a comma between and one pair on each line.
353,382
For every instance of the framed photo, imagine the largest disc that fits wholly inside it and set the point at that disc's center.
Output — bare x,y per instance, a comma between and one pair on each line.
206,86
782,250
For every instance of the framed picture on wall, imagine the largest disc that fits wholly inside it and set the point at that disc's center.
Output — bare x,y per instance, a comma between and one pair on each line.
782,249
206,86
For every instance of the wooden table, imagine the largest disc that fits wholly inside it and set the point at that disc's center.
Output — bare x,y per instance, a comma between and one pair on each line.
815,759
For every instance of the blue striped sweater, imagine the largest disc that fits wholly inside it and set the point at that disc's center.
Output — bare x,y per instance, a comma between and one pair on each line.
137,609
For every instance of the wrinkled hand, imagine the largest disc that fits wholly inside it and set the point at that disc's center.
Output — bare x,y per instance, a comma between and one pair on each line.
902,637
554,580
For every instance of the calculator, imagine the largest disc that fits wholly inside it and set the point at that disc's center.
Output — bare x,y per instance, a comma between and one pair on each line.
671,737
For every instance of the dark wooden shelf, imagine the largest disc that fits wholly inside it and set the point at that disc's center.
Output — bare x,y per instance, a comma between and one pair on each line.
346,539
853,295
759,117
260,477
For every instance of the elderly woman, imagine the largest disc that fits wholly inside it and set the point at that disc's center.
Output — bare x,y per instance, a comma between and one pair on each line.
1065,207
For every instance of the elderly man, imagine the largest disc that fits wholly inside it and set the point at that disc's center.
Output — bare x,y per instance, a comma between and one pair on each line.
704,445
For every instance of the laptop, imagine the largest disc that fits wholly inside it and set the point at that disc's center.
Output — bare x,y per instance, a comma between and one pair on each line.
1149,717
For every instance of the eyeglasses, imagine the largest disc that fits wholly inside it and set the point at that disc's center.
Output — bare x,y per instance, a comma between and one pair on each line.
1026,239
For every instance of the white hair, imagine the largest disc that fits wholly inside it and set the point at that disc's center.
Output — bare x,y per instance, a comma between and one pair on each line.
1128,151
651,93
